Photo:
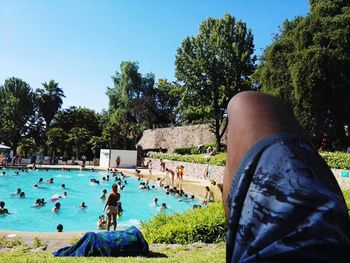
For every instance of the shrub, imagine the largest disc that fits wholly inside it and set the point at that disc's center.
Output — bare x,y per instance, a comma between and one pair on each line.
183,150
195,149
346,194
219,159
337,160
205,224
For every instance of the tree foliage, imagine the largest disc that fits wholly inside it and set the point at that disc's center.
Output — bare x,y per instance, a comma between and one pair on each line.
213,66
137,103
16,108
49,100
308,66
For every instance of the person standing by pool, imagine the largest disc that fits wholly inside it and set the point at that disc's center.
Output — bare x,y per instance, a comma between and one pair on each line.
118,161
149,164
172,173
112,204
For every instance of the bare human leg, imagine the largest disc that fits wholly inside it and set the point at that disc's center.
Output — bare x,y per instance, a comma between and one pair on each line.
252,116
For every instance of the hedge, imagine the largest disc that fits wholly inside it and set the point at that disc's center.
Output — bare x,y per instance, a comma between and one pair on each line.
205,224
336,160
219,159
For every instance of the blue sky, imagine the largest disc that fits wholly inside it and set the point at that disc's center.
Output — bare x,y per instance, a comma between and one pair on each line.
81,43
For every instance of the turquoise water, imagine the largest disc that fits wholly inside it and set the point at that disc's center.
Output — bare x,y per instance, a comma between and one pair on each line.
24,217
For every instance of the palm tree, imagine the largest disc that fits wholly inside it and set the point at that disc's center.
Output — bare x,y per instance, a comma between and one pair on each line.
49,100
79,138
55,139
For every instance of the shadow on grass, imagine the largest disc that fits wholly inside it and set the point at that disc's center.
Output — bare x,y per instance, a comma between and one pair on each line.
152,254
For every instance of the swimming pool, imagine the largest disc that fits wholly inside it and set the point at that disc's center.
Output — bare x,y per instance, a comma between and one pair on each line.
24,217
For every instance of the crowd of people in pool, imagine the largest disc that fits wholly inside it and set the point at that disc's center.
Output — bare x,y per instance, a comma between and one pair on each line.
113,206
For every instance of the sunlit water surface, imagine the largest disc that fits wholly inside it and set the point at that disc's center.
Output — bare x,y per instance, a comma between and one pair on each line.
137,204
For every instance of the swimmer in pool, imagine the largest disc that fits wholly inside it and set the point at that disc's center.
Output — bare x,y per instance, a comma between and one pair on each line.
3,210
41,180
103,196
56,208
101,223
155,202
83,205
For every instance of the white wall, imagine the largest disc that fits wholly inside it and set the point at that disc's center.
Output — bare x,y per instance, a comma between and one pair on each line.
127,158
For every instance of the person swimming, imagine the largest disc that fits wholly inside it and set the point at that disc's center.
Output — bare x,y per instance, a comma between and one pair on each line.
103,196
50,181
3,210
59,228
83,205
101,223
56,208
41,180
63,186
155,201
18,192
164,207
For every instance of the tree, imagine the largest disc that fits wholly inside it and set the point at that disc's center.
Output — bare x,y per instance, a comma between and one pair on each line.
56,138
96,143
308,66
49,100
79,138
131,103
26,147
167,99
213,66
16,108
78,117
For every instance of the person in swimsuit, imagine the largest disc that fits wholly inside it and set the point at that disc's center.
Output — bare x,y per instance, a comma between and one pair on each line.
209,196
3,210
112,207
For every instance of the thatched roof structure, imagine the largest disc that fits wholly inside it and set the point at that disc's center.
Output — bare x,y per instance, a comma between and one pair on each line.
176,137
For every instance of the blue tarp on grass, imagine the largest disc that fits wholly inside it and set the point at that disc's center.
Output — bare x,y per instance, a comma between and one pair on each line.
129,242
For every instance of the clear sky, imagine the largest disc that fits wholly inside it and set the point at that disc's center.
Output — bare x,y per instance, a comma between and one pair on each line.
81,43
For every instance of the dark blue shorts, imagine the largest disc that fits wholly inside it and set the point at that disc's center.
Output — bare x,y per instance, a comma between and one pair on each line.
286,206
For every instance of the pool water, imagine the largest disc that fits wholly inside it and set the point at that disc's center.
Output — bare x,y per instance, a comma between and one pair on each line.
137,203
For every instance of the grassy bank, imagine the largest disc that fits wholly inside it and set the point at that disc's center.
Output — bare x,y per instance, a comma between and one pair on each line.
165,254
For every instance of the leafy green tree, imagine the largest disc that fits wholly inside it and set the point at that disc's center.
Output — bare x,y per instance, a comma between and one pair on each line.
96,143
16,109
26,147
131,102
56,138
167,99
79,138
79,117
308,66
111,134
213,66
49,100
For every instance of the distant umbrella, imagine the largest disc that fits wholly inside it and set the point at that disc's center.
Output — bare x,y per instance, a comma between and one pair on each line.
2,146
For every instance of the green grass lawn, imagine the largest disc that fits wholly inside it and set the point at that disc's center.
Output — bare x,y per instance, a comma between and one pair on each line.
180,254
